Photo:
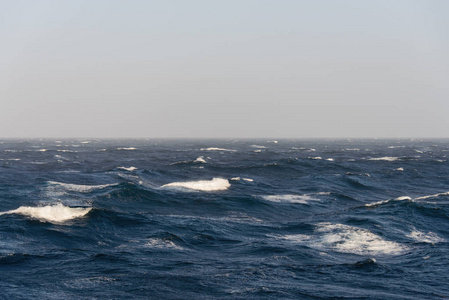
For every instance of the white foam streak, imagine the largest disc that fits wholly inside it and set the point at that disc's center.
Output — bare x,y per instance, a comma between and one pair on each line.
80,187
51,213
217,149
130,169
126,148
385,158
302,199
216,184
432,196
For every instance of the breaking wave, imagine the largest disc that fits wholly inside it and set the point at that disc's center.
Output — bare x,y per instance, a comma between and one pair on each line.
216,184
51,213
347,239
80,187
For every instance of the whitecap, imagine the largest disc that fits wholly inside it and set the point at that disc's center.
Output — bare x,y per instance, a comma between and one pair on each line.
217,149
402,198
80,187
287,198
162,244
245,179
216,184
126,148
316,157
346,239
386,158
200,160
128,169
51,213
399,169
258,146
432,196
330,159
423,237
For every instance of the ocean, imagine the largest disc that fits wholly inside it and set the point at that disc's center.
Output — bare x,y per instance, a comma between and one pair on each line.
224,219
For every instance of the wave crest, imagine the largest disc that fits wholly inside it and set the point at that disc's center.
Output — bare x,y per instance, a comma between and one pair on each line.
216,184
51,213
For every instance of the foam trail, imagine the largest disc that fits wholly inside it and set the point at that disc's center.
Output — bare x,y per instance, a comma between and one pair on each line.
216,184
51,213
80,187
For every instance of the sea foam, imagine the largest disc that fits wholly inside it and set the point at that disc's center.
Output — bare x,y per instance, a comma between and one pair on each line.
217,149
80,187
347,239
216,184
51,213
302,199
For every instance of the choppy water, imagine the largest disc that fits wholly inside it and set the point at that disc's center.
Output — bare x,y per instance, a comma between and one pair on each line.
299,219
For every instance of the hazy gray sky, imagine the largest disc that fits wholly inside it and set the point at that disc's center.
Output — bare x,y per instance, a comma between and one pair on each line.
246,68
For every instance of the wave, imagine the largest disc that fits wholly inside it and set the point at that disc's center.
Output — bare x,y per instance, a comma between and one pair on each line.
127,169
386,158
432,196
217,149
125,148
163,244
347,239
245,179
80,187
423,237
216,184
200,160
302,199
402,198
406,198
51,213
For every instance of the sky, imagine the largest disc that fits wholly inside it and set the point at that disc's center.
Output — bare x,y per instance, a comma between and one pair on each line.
224,69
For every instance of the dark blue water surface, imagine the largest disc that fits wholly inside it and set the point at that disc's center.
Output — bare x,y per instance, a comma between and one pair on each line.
224,219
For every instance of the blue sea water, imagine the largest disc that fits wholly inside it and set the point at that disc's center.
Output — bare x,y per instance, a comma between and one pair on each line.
224,219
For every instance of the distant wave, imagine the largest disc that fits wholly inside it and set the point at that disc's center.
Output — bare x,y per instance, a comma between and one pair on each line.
347,239
216,184
127,169
288,198
245,179
80,187
386,158
217,149
126,148
163,244
406,198
200,160
50,213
